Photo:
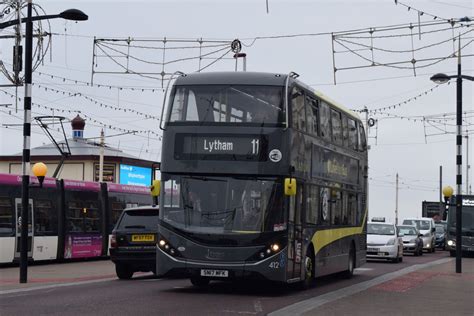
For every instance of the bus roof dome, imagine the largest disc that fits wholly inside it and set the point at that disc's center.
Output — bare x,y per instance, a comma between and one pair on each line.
232,77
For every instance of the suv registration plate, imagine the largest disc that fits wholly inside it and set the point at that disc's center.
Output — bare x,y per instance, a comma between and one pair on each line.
143,237
214,273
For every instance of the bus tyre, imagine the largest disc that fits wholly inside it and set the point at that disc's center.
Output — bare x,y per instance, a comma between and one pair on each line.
123,271
350,264
199,281
307,282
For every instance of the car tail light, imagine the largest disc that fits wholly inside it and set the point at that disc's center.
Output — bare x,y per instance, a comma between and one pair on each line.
113,241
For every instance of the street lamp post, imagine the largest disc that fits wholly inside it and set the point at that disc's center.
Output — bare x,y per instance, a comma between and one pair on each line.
71,14
443,78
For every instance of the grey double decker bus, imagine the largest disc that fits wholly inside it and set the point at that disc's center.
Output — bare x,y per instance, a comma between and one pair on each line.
261,178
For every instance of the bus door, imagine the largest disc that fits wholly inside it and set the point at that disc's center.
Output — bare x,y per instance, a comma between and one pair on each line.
18,227
295,235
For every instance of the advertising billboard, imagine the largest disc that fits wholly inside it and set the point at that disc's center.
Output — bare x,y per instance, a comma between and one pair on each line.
134,175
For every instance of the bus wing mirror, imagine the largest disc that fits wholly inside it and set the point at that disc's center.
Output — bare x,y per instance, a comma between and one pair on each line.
155,188
290,186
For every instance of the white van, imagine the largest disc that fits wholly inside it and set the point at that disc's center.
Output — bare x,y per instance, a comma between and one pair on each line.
426,226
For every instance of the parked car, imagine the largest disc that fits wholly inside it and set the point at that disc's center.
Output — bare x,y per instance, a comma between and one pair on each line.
133,242
384,242
426,226
412,242
440,234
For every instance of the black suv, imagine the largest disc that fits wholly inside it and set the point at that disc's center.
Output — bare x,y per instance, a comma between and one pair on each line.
133,242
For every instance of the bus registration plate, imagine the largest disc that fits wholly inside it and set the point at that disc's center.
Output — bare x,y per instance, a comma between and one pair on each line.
214,273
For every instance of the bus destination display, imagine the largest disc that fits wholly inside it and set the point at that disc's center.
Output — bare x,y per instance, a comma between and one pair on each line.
220,147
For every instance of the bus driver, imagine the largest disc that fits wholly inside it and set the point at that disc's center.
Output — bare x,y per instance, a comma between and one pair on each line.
250,217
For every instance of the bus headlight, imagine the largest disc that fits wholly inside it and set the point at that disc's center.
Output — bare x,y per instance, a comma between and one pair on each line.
451,243
266,252
164,245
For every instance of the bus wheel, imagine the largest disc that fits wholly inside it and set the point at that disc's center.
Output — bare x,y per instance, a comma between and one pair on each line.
350,264
199,281
123,271
308,271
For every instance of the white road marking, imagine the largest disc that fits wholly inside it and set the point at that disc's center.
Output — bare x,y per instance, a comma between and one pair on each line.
363,269
51,286
258,306
239,312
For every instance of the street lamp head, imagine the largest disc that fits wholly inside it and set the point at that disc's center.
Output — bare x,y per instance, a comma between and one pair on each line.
73,14
440,78
39,170
447,192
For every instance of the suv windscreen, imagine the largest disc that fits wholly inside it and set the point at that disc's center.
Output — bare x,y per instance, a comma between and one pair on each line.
139,219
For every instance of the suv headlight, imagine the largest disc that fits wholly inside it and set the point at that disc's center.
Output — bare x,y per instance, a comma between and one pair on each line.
451,243
391,241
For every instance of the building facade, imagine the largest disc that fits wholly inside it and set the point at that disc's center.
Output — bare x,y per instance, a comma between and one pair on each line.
82,161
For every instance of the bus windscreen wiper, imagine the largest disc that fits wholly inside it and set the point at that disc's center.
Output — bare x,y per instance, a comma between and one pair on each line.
202,178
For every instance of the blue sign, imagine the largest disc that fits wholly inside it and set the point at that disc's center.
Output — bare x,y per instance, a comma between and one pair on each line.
135,175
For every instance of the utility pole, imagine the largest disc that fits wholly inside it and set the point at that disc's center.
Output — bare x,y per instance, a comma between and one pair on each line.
441,205
17,54
396,201
244,57
467,163
101,156
25,178
366,124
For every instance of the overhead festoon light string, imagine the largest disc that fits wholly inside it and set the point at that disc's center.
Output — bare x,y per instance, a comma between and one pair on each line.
101,104
64,79
399,104
109,126
434,16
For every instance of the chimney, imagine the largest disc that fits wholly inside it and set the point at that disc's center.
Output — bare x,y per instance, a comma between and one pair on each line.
78,124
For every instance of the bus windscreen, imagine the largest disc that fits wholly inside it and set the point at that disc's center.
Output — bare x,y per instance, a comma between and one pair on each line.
222,205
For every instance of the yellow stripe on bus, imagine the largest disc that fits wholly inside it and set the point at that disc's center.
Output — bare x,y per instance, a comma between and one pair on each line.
322,238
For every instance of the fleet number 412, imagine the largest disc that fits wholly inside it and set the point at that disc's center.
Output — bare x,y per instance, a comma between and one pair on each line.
274,265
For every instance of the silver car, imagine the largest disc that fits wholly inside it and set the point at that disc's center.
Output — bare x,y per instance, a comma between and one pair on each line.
383,242
426,227
412,242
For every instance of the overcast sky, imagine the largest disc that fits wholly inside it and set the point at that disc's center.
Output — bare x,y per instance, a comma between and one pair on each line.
410,138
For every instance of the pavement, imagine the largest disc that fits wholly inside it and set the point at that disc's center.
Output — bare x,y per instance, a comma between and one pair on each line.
46,275
422,289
